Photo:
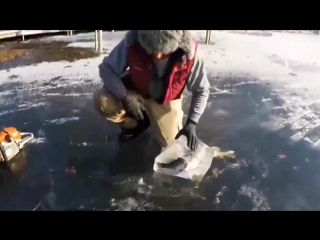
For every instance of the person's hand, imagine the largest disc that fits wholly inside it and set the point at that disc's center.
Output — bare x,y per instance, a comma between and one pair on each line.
189,130
134,108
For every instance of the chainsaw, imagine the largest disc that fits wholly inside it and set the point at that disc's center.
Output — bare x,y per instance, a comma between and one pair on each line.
11,142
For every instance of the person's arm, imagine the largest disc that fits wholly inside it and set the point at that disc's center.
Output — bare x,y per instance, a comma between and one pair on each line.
112,67
199,85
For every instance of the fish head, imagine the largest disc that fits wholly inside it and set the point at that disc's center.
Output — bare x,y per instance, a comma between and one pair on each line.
176,165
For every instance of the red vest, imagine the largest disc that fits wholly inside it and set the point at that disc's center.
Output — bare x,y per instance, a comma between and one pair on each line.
141,68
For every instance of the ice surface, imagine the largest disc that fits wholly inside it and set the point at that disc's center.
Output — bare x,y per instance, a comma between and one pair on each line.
288,64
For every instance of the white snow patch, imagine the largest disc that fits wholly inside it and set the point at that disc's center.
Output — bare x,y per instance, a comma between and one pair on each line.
21,107
258,199
37,140
67,94
61,120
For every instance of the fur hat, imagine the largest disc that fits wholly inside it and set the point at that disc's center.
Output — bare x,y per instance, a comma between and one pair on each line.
162,40
165,41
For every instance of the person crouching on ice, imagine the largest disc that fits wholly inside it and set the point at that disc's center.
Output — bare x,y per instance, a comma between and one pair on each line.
161,63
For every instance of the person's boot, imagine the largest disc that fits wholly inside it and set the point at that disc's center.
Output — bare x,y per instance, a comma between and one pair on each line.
130,134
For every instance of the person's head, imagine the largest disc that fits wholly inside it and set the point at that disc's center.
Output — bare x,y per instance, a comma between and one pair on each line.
160,43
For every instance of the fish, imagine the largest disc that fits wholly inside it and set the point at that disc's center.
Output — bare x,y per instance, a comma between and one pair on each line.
187,162
190,161
178,165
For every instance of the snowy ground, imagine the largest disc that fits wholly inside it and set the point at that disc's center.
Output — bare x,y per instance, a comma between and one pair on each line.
264,104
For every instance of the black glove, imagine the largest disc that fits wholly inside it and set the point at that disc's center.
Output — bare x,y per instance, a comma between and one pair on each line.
134,108
189,130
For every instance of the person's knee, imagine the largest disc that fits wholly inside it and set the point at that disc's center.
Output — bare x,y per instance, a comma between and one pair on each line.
98,98
108,106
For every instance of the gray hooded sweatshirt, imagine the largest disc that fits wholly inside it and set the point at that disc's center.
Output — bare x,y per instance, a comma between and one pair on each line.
164,41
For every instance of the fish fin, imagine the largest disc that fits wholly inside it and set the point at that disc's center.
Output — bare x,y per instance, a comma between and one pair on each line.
216,149
222,155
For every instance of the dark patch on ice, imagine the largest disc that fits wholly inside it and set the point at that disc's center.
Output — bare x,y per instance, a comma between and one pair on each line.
13,76
15,54
56,78
11,86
